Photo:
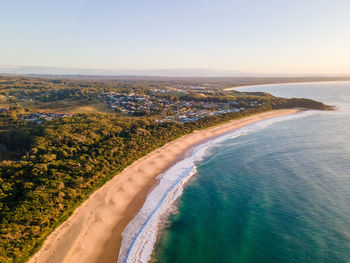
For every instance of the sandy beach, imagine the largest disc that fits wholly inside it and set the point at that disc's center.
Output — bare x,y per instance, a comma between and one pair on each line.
93,233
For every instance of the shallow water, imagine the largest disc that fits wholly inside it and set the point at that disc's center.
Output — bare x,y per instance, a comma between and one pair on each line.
277,193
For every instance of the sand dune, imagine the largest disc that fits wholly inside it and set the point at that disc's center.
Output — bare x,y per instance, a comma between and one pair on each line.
93,233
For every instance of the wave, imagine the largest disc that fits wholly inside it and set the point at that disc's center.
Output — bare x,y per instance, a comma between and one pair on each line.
140,235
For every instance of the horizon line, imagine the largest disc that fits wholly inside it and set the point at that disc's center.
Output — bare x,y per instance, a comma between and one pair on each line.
160,72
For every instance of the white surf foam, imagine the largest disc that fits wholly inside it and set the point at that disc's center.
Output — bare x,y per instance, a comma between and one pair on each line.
139,237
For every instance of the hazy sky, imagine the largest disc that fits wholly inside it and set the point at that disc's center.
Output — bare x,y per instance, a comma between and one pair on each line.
257,36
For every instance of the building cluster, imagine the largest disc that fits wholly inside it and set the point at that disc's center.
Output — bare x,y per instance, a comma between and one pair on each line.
172,109
196,114
135,103
168,90
127,103
38,117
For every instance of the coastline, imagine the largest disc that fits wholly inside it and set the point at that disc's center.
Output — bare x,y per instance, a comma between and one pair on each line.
94,231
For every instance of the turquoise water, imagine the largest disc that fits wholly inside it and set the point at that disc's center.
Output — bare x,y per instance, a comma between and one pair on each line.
278,194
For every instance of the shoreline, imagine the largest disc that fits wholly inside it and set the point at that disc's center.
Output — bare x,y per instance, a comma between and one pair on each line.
93,233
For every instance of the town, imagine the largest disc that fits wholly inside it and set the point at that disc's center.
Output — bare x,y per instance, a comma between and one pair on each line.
46,100
186,106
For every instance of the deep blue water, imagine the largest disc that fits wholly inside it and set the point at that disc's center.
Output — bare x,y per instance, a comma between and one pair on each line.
278,194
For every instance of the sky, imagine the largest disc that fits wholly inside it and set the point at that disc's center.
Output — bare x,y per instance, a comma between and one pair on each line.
223,36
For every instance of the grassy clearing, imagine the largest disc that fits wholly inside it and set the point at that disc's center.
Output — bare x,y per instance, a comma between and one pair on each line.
68,106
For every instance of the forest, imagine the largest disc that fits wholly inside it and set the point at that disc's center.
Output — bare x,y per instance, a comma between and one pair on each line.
49,167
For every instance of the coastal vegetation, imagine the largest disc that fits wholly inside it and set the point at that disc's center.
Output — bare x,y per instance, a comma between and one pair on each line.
51,162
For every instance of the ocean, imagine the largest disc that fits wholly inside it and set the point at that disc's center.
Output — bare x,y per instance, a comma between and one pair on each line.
276,191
